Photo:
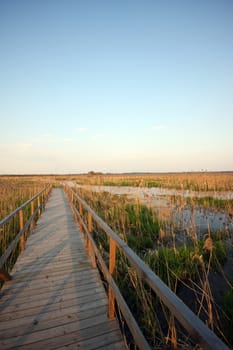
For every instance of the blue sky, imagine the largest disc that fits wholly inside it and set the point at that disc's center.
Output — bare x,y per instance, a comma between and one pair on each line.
116,86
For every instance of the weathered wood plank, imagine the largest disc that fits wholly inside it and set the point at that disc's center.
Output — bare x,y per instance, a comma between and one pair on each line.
46,336
17,327
84,305
32,341
28,296
20,286
37,271
108,341
83,296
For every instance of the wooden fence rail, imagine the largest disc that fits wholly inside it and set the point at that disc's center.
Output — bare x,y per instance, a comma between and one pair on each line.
190,322
41,197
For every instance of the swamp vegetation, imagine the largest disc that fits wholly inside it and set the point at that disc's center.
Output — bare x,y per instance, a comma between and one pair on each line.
198,268
14,191
191,268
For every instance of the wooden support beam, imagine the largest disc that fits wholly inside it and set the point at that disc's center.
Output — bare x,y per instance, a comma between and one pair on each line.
43,200
89,220
91,252
33,224
89,226
38,203
21,224
112,265
81,214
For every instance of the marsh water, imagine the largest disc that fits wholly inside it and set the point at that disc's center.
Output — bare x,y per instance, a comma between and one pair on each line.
184,219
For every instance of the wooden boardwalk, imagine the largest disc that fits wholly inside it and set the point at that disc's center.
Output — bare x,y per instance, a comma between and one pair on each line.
55,299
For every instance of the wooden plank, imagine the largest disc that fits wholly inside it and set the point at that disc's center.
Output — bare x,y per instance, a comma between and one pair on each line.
38,294
49,259
32,336
108,341
52,298
111,346
31,341
54,308
80,303
48,320
27,274
20,286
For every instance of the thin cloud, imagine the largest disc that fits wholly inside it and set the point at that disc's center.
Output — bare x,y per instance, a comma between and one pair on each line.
16,148
68,140
24,147
81,130
47,135
97,136
45,139
157,127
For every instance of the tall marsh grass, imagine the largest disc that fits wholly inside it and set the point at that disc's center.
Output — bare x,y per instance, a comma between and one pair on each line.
14,191
202,181
185,268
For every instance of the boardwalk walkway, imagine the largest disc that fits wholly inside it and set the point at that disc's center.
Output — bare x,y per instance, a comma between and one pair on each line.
56,300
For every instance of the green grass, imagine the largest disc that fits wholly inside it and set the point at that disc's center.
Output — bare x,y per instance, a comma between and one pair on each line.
211,202
183,263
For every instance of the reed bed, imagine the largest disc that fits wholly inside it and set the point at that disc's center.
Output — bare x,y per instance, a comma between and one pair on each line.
187,268
14,191
203,181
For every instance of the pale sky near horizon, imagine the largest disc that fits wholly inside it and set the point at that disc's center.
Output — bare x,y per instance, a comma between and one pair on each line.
116,86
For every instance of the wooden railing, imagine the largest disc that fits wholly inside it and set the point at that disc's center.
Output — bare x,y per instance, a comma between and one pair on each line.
197,330
35,205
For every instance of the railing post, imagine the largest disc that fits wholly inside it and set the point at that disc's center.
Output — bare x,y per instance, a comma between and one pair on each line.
81,214
48,191
112,265
89,226
43,200
22,239
89,247
38,203
32,213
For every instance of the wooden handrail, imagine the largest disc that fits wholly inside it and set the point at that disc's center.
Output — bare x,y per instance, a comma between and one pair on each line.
131,322
194,326
23,227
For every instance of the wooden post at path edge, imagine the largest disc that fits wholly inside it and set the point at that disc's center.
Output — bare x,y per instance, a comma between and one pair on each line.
112,265
22,239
